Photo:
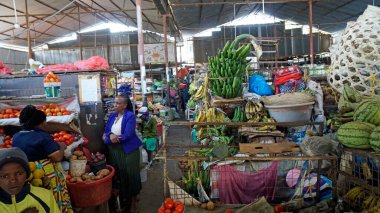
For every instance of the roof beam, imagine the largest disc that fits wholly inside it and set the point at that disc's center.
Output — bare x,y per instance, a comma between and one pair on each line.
93,1
200,14
220,12
250,2
22,26
46,5
72,13
37,18
83,4
336,8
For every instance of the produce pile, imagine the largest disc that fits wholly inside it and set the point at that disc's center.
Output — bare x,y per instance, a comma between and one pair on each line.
9,113
51,77
171,206
6,140
227,70
367,201
67,138
53,110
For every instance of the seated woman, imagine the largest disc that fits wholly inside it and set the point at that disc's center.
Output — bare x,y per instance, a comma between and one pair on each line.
41,149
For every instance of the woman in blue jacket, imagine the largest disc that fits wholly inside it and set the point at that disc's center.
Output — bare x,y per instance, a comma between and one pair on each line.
123,145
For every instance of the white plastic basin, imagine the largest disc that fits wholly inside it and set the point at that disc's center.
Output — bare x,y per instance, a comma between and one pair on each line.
291,112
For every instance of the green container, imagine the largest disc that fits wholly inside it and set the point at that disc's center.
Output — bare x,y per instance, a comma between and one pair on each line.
52,90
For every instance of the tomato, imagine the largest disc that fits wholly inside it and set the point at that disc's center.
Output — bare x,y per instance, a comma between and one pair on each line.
160,211
58,79
180,208
168,211
1,131
12,115
62,132
8,146
60,139
1,116
66,113
6,116
52,106
62,110
7,142
176,211
169,203
49,114
279,208
228,211
177,203
59,113
56,134
8,111
8,137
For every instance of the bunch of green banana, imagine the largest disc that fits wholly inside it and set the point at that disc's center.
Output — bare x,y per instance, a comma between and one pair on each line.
151,106
191,103
227,70
354,193
193,88
201,93
252,108
239,115
265,119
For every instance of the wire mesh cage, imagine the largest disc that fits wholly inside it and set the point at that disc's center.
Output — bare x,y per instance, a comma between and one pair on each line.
359,179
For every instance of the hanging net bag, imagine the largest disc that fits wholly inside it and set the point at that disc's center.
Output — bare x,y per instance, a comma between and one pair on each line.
355,60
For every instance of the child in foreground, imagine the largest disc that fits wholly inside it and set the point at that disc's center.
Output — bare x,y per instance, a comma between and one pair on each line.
16,194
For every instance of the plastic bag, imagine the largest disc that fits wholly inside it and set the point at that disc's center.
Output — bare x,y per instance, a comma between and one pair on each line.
258,85
4,69
93,63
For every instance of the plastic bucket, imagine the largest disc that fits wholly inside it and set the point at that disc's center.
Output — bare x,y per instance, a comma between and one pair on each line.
77,167
144,174
53,89
88,194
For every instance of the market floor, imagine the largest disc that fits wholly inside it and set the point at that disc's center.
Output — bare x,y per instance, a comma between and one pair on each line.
152,194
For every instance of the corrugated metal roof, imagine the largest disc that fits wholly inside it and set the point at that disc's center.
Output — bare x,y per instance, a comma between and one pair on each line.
328,15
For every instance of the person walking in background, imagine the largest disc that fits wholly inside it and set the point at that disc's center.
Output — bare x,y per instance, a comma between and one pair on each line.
124,155
148,130
44,154
16,194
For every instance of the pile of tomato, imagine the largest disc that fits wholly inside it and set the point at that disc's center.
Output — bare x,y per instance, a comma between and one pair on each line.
7,140
51,77
9,113
64,137
170,206
53,110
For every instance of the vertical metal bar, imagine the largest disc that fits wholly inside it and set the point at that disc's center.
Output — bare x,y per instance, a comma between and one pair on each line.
311,32
175,56
165,160
79,37
141,48
30,51
166,62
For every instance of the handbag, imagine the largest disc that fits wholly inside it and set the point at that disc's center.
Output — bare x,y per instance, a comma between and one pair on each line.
288,80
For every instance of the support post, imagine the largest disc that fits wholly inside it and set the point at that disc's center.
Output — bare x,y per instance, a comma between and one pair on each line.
30,51
166,62
311,32
141,50
79,36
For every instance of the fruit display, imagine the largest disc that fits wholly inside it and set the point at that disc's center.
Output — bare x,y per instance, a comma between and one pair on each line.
239,115
171,206
375,139
210,115
254,111
368,111
90,177
53,110
63,136
227,69
9,113
7,142
191,177
37,176
51,77
355,134
366,201
202,90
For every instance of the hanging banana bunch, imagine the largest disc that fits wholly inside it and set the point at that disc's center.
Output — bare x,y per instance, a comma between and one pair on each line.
202,91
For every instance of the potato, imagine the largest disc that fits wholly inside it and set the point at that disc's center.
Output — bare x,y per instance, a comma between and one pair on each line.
98,177
103,172
78,153
210,205
73,180
204,205
86,177
73,157
79,179
82,158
